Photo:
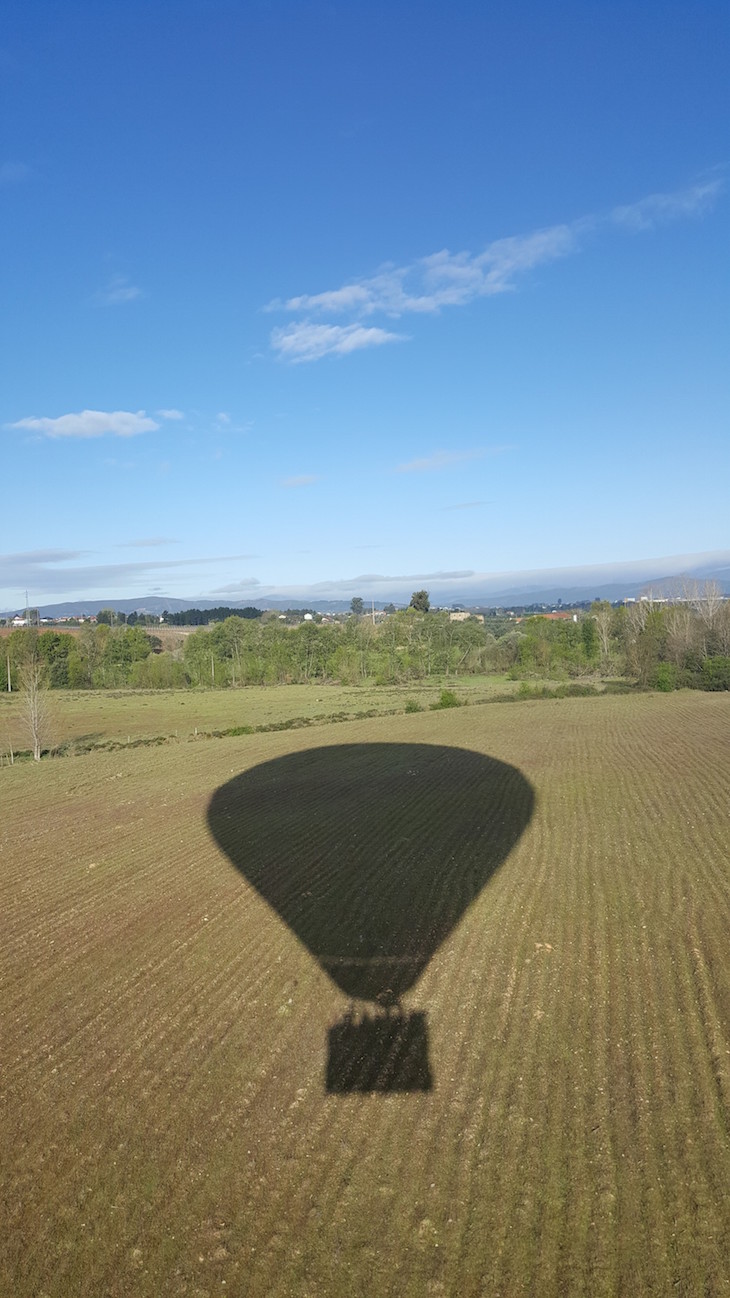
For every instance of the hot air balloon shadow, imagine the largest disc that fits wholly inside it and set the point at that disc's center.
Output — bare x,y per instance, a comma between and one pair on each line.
371,853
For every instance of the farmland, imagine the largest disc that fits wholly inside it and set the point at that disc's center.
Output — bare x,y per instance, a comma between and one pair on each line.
99,716
185,927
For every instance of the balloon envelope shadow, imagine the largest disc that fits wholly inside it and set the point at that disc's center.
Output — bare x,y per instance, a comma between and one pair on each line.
371,853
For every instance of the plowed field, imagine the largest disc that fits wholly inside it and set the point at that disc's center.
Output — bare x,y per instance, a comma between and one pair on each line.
423,1005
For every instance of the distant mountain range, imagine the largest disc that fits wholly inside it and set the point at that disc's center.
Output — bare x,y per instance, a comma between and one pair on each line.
570,585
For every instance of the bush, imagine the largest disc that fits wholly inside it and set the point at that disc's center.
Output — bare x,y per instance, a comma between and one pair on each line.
158,672
665,677
412,705
447,699
716,674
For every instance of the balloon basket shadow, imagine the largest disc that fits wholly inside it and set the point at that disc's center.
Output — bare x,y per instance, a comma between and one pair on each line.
383,1052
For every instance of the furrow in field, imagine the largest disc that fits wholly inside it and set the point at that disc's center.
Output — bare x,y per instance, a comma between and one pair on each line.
576,1137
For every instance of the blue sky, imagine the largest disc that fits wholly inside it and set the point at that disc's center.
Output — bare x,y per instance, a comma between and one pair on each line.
346,298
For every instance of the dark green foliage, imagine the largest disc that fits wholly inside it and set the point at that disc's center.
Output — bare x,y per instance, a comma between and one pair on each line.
589,636
716,674
412,705
447,699
420,601
665,677
202,616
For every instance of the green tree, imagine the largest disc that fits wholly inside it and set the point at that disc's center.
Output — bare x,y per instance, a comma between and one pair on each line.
589,636
420,601
357,606
650,647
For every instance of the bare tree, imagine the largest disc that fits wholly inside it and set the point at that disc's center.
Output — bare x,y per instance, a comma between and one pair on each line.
34,706
603,618
681,628
636,614
705,598
722,628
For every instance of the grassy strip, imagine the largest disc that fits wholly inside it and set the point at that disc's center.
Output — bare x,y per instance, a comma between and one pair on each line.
448,699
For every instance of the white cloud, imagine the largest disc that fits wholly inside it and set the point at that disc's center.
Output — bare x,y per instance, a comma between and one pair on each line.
658,209
170,414
118,291
300,480
441,279
445,278
310,342
91,423
355,297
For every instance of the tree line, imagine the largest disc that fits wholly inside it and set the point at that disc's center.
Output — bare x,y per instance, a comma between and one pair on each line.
663,647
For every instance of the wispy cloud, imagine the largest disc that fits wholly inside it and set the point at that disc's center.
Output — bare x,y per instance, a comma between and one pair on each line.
300,480
472,584
169,414
447,279
38,558
52,571
659,209
119,291
310,342
443,278
224,423
90,423
238,587
14,173
446,459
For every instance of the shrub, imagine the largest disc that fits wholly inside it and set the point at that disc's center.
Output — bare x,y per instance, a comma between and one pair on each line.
716,674
665,677
412,705
447,699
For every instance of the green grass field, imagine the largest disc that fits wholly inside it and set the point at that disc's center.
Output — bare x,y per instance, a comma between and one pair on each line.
545,887
119,715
